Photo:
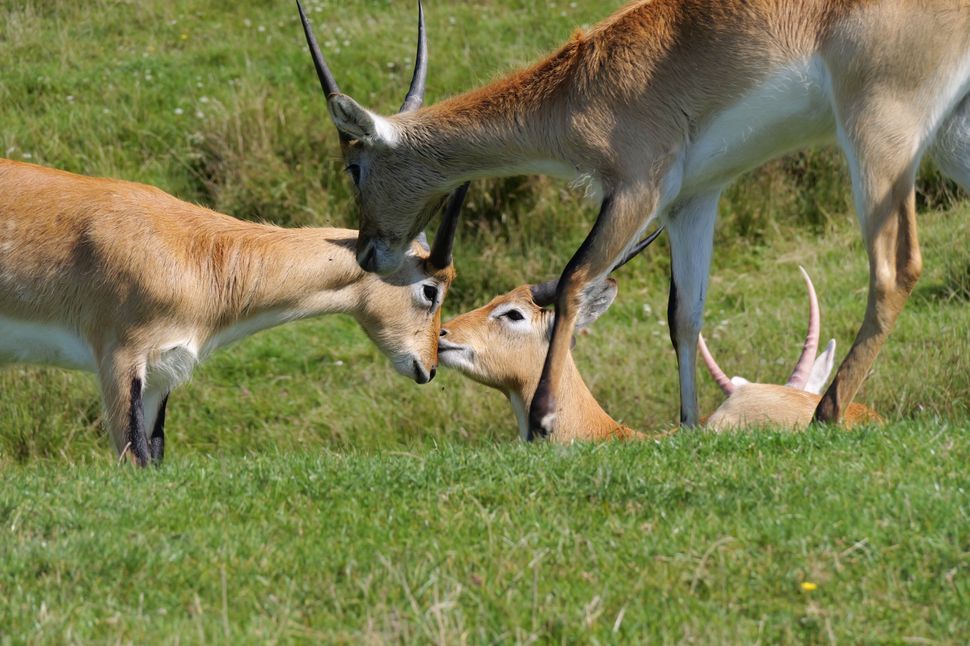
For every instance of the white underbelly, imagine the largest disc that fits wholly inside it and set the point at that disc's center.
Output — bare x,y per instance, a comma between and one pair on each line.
790,109
44,344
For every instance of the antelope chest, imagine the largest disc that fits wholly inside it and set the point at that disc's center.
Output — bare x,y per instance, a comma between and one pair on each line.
45,344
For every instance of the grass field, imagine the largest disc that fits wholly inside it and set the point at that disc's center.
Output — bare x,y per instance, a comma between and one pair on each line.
310,493
698,539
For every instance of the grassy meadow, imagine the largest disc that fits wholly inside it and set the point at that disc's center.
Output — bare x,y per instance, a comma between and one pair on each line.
312,494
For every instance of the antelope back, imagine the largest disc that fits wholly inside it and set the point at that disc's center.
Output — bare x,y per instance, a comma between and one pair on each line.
776,405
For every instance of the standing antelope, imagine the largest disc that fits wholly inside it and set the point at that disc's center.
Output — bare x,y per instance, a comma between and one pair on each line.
661,106
501,345
130,283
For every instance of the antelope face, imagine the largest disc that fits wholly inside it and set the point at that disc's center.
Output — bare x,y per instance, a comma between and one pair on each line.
402,313
393,180
501,345
396,192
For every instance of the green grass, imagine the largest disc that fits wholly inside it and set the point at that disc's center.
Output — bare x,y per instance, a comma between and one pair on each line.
698,538
312,494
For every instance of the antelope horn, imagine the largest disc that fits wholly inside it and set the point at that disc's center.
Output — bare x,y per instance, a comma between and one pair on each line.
803,369
544,294
415,95
719,377
327,82
444,239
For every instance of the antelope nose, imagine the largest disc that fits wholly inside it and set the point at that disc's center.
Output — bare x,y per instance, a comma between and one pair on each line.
420,376
434,371
366,254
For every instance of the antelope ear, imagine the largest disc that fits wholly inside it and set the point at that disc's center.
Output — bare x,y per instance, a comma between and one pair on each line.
596,300
355,122
821,370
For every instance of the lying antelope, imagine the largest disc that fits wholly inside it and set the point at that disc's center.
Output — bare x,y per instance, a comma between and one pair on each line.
660,106
130,283
501,344
791,405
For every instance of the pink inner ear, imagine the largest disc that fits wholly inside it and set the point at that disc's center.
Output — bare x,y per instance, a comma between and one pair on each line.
803,368
719,377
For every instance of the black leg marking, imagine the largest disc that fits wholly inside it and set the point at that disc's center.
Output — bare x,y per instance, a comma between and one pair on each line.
157,443
544,400
672,304
672,309
136,425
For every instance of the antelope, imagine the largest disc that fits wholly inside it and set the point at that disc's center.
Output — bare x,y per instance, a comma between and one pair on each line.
499,345
658,108
128,282
790,405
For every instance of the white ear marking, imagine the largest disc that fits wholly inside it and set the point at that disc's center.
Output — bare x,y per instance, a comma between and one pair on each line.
739,381
360,123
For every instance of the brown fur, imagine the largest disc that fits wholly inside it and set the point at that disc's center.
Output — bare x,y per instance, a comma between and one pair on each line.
770,404
624,102
133,272
507,358
508,361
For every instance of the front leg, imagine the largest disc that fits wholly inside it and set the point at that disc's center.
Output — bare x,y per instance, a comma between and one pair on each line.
690,227
621,218
122,389
155,404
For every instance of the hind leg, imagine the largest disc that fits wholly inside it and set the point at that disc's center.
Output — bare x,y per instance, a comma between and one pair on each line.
883,152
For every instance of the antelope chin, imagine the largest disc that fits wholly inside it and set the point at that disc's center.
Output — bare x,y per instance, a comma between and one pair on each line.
457,357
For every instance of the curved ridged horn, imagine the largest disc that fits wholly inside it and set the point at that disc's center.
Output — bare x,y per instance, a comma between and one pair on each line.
415,95
803,369
327,82
444,239
544,294
719,377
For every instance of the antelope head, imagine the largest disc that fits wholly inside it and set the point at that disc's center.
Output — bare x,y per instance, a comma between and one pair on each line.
791,405
503,345
384,163
404,323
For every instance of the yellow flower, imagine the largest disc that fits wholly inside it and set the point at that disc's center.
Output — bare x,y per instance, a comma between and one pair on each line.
808,586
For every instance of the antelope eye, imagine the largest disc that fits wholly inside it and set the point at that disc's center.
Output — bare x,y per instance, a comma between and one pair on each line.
431,293
514,315
354,171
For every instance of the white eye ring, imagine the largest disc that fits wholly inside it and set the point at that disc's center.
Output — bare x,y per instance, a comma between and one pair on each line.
513,314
